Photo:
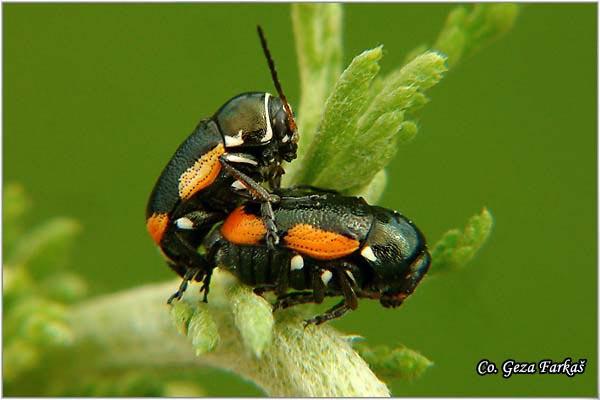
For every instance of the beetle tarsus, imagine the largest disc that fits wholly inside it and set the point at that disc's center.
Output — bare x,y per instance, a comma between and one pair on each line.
334,312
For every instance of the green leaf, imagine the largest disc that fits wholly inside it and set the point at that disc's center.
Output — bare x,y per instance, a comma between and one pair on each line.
203,331
41,322
373,139
318,36
397,363
373,191
456,248
253,317
466,32
336,132
181,314
403,89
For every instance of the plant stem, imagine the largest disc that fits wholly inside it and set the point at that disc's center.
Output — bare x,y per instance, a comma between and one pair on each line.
134,329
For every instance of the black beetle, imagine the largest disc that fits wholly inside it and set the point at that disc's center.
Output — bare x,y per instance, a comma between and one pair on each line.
334,245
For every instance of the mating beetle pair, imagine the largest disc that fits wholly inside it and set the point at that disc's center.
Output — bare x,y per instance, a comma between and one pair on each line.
314,241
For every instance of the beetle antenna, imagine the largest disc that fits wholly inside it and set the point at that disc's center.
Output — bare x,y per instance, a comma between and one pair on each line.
271,63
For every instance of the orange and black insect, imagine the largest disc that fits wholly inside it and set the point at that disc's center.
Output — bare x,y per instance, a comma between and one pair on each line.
330,246
220,164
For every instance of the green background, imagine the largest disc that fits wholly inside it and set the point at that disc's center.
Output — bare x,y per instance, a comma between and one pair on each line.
97,97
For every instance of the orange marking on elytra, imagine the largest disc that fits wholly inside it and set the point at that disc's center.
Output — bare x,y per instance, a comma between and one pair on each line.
318,243
244,229
200,175
156,225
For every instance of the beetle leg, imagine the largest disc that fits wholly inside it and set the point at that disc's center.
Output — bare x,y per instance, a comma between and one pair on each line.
283,275
350,298
190,254
350,301
336,311
271,237
318,286
189,275
293,299
206,285
257,191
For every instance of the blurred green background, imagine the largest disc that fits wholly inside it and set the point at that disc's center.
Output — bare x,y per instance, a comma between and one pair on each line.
97,97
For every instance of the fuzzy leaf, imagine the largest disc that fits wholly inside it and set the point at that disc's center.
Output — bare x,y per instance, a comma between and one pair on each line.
181,313
132,327
456,248
317,30
203,331
40,322
465,32
253,317
373,191
373,138
403,89
396,363
336,132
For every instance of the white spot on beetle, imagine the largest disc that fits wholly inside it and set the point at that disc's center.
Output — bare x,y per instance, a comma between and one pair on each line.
184,223
326,276
233,141
297,262
238,185
239,159
269,133
367,252
285,139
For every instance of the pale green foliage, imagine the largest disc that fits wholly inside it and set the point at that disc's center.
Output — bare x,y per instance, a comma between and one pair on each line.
293,360
36,287
318,36
468,30
372,191
367,122
342,109
455,249
196,322
394,363
203,330
253,317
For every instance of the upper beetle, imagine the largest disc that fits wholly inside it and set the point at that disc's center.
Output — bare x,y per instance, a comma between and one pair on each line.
334,245
224,159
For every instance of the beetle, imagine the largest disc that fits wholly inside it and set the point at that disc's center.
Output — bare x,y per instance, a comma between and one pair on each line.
334,245
222,162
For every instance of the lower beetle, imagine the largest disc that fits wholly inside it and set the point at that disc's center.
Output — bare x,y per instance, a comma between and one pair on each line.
221,163
334,245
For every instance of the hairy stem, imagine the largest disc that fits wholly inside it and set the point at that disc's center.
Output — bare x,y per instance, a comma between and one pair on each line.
135,328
